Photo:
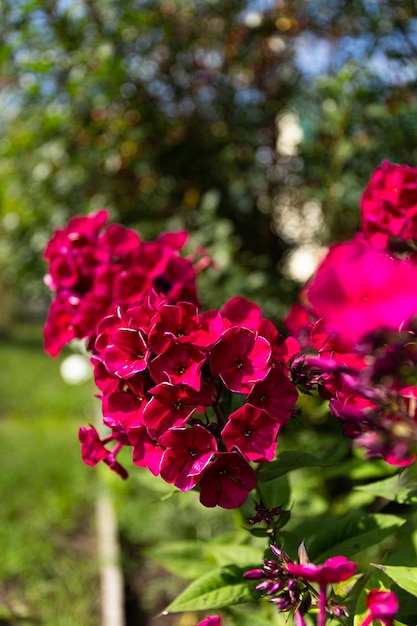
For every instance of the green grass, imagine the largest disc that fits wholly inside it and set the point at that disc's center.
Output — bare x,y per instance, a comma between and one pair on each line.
48,572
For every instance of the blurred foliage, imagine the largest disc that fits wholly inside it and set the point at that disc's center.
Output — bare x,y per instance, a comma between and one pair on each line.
47,535
255,125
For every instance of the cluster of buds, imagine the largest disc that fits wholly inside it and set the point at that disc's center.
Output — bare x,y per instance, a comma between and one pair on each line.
290,587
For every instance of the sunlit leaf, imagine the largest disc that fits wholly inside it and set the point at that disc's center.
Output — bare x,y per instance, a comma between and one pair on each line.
393,488
405,577
219,588
326,536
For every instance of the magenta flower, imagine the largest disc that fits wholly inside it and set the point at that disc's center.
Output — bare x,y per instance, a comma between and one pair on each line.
253,432
92,271
59,329
211,620
275,394
241,358
173,322
123,408
383,606
358,290
334,570
127,353
298,322
226,481
146,451
141,313
242,312
212,327
170,406
187,453
78,233
389,204
92,448
179,364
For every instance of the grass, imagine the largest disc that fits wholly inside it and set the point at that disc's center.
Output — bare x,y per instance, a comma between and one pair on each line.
48,572
48,566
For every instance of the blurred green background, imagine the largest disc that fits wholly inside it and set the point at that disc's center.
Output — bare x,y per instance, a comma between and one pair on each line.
253,124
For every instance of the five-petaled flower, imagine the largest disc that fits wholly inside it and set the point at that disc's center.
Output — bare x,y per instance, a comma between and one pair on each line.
382,606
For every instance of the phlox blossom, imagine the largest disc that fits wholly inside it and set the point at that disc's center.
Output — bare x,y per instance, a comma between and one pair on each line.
172,405
334,570
93,449
389,204
179,364
357,290
253,432
226,481
382,606
241,358
123,407
187,452
242,312
211,620
173,322
92,270
127,353
275,394
146,451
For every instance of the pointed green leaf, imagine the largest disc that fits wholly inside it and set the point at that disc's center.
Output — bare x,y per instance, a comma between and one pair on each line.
405,577
275,492
242,616
393,488
219,588
243,556
346,535
287,462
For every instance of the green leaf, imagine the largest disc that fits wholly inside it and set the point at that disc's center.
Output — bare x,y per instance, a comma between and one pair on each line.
183,558
244,617
275,492
219,588
243,556
347,535
287,462
392,488
405,577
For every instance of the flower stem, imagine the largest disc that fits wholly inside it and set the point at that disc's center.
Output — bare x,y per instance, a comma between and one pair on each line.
322,605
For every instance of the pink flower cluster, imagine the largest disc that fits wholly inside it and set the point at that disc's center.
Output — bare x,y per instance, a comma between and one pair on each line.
358,313
389,205
197,396
92,269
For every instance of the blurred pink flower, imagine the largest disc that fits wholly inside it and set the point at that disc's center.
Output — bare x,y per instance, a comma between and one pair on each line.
357,290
